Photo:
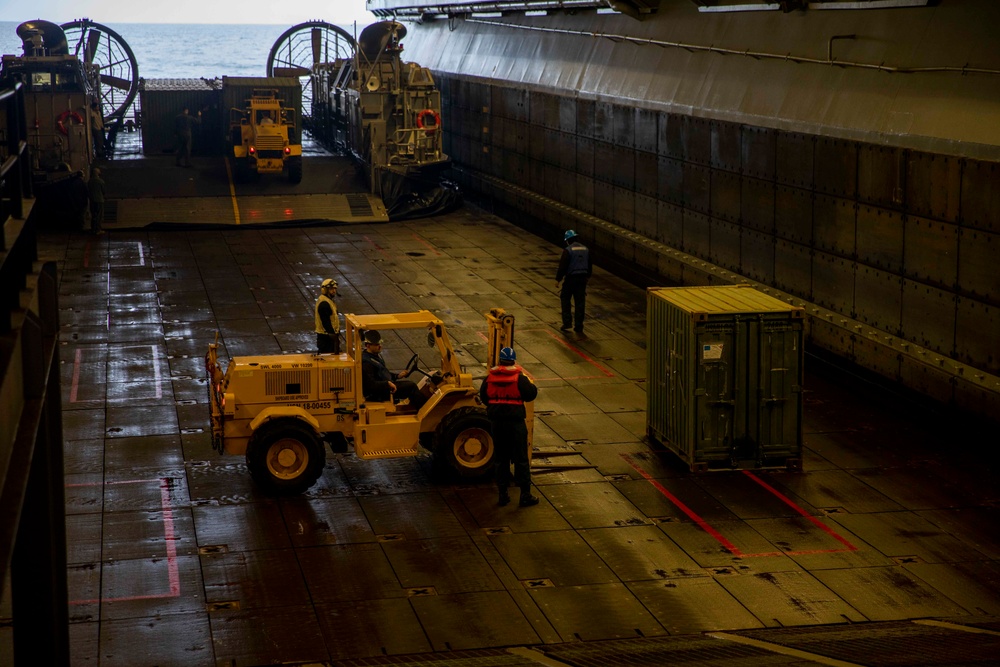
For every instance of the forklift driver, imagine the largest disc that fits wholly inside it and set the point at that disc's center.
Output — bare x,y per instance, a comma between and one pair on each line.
378,383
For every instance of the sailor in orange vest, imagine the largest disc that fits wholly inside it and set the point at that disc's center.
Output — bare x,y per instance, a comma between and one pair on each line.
505,391
327,323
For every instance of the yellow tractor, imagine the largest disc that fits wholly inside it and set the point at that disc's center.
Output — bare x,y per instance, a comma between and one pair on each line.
278,410
264,138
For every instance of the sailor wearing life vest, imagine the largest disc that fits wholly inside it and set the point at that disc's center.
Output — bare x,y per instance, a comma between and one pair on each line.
327,322
575,266
505,391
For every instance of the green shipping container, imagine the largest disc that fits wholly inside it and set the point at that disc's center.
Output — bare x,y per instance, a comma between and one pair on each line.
724,369
161,100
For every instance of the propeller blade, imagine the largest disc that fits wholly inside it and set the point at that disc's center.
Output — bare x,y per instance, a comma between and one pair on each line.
317,45
93,39
116,82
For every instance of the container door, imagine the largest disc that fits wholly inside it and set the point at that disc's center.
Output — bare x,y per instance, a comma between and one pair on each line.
779,397
716,395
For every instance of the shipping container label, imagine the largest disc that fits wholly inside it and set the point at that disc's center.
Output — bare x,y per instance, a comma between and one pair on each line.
711,351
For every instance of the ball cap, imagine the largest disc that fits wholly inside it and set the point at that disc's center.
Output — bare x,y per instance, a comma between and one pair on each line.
373,337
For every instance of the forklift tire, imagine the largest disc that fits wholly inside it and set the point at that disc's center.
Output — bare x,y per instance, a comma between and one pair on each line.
295,169
465,441
285,457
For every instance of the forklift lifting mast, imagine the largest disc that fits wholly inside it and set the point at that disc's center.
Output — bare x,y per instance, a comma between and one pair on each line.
277,410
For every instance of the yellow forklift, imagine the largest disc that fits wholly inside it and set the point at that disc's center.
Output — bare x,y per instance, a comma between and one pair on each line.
264,139
278,410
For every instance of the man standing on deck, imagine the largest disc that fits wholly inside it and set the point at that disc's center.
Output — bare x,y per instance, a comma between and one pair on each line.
327,322
575,266
182,126
505,391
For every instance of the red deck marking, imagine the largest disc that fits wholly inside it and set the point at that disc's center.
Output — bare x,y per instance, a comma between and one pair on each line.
377,246
605,373
721,539
173,575
788,501
429,246
586,357
170,538
76,376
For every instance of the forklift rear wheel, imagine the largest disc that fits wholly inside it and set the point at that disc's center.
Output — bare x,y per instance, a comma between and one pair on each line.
285,457
465,440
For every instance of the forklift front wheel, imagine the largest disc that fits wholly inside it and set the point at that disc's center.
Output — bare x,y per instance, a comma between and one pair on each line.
285,457
465,439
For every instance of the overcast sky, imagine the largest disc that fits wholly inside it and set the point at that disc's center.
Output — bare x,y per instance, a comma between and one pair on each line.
270,12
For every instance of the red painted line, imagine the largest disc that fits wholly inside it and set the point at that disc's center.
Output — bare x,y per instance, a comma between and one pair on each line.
788,501
605,372
719,537
429,246
75,386
173,574
377,247
584,355
170,538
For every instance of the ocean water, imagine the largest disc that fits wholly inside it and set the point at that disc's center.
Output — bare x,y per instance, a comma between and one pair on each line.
164,50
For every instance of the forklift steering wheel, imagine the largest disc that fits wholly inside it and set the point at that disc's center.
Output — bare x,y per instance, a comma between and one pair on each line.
411,366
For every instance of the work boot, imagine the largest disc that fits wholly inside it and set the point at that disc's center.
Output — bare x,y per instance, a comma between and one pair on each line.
527,500
504,498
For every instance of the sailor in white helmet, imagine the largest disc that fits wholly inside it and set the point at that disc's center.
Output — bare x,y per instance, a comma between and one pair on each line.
327,323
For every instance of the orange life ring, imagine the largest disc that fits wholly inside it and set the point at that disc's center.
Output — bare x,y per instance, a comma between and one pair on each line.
61,120
424,114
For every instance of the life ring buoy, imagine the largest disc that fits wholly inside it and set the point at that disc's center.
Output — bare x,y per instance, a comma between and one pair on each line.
429,129
61,120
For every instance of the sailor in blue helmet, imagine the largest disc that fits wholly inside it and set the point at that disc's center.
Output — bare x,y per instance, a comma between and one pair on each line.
378,383
575,267
505,391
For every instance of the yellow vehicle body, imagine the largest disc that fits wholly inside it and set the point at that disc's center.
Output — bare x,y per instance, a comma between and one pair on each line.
277,410
263,138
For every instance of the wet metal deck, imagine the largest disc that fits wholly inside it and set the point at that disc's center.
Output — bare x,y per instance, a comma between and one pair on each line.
175,558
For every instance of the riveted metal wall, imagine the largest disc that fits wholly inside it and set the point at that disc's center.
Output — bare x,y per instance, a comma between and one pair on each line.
980,195
903,240
793,159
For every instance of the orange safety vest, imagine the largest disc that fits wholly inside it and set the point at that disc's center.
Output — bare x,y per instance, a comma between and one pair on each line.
501,386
